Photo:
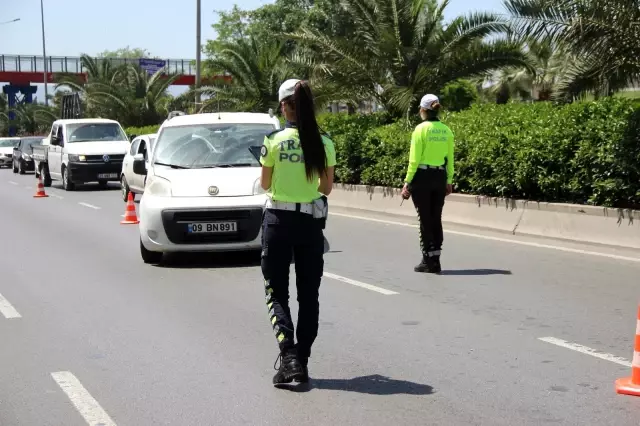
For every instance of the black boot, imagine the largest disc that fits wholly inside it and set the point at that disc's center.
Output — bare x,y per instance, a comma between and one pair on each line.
434,266
423,266
290,368
304,378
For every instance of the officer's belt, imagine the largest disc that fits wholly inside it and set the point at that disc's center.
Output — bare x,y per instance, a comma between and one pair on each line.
427,166
292,207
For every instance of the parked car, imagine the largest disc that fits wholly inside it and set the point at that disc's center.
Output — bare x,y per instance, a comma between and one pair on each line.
129,181
23,154
6,151
80,151
203,188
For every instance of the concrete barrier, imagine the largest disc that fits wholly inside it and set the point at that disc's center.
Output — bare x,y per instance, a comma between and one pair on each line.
591,224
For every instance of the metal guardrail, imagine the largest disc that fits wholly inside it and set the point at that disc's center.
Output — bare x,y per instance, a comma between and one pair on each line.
70,64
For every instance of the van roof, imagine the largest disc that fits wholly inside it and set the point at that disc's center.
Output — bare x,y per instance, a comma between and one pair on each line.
223,117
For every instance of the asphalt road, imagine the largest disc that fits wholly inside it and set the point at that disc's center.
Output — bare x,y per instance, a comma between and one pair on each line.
92,335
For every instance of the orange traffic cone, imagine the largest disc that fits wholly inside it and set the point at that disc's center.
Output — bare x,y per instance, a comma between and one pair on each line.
130,217
40,191
631,385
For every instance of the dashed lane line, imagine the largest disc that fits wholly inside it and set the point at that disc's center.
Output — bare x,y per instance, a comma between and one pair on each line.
359,284
586,350
502,240
7,309
91,206
86,405
13,183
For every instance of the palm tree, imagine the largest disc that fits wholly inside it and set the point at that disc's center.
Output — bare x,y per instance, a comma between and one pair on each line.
401,49
124,92
605,35
257,68
30,119
551,63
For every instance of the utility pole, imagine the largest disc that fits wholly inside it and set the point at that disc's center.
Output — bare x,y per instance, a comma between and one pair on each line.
198,50
44,56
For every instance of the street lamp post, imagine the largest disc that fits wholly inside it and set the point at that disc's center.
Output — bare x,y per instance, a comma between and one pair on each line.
198,49
44,56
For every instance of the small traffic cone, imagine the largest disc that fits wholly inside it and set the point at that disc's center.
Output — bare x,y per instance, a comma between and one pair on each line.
130,217
631,385
40,190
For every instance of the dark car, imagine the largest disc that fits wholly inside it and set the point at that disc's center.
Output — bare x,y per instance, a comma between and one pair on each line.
22,154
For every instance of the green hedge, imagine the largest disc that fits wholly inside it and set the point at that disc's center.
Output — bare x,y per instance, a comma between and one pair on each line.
585,152
142,130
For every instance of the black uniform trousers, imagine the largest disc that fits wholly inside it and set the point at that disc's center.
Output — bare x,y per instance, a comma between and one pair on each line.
428,190
287,233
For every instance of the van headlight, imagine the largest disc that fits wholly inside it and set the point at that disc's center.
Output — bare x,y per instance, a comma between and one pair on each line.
257,188
75,158
158,186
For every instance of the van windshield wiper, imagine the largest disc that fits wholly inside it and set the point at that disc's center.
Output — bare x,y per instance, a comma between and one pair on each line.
224,165
173,166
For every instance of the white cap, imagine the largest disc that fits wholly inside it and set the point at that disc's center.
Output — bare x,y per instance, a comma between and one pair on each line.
287,88
428,100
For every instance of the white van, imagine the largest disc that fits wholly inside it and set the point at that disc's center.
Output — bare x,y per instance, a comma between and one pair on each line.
81,151
203,188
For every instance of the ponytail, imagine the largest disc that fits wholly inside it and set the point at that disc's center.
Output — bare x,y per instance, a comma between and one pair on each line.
315,158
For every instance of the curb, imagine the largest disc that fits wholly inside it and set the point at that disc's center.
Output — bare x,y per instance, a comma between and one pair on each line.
572,222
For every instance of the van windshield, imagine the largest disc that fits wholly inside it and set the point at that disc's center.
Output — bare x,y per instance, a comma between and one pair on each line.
6,143
95,132
210,145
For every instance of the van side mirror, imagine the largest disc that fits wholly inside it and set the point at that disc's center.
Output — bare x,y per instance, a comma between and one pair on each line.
139,165
54,141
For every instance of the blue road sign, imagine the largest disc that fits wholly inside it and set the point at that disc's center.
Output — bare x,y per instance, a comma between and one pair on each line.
152,66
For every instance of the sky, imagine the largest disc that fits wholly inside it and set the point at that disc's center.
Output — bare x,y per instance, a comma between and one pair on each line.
162,27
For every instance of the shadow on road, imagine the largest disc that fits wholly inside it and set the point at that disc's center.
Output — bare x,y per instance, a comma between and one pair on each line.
373,385
476,272
90,187
211,260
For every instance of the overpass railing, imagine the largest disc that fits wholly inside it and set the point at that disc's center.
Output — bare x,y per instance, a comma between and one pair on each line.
71,64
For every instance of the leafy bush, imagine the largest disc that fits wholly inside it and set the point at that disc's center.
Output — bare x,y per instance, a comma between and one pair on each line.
586,152
348,133
459,95
142,130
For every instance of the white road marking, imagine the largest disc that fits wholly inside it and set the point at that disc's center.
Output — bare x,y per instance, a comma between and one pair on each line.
59,197
359,284
29,187
13,183
586,350
7,309
502,240
86,405
91,206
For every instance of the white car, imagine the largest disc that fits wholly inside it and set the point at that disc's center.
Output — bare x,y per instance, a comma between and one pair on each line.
129,181
6,151
203,188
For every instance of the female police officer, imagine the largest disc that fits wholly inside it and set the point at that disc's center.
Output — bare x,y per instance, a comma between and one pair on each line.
297,170
429,179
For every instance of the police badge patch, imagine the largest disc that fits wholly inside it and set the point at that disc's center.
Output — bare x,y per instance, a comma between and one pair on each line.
263,151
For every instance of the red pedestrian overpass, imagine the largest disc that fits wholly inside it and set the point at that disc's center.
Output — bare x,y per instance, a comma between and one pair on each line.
24,70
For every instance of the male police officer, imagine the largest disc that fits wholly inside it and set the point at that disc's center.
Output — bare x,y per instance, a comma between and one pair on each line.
429,180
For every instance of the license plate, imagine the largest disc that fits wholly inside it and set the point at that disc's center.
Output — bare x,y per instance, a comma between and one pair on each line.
107,175
212,227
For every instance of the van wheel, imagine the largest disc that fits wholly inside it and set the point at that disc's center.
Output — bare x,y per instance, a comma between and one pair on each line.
66,180
150,257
